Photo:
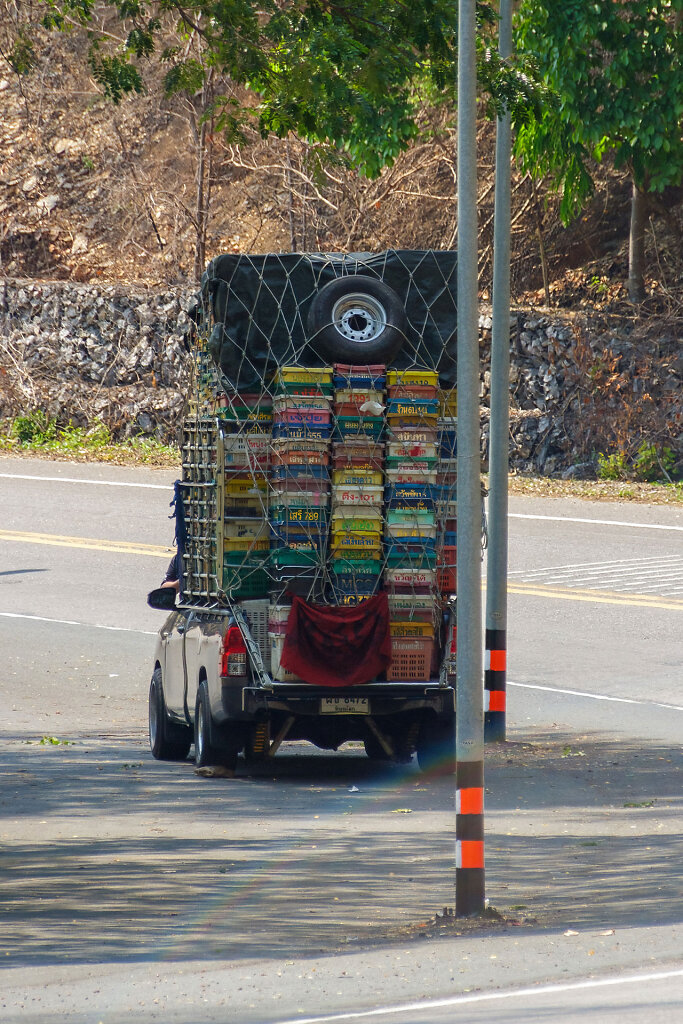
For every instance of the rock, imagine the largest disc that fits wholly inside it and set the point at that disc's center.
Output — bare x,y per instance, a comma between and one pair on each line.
47,204
68,146
79,244
580,471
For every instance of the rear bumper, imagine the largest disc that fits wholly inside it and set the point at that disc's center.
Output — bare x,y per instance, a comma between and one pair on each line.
384,698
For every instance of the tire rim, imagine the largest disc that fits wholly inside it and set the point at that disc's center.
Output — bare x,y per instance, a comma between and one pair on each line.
153,719
201,738
358,317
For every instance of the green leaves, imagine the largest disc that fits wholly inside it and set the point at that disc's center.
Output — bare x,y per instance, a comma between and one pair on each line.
615,74
115,75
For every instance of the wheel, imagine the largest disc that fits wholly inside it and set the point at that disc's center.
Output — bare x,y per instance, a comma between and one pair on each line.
375,750
436,747
206,751
357,320
168,741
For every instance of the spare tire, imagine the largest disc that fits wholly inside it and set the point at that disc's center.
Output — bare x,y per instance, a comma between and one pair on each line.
358,320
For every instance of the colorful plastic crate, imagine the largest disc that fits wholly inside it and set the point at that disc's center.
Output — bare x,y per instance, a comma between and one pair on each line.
301,432
298,496
282,675
348,428
244,577
447,574
353,476
243,527
303,375
301,515
420,580
424,378
410,658
354,566
404,451
366,520
412,629
411,434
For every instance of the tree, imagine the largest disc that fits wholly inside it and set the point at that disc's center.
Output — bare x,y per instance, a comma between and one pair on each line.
615,70
346,73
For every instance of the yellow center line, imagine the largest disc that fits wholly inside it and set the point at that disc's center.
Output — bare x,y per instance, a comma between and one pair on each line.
526,589
118,546
596,596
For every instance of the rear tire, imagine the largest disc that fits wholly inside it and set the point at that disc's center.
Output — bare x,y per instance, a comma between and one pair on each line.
206,750
168,741
436,747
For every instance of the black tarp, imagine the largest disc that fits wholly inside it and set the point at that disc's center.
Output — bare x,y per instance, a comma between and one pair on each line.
259,308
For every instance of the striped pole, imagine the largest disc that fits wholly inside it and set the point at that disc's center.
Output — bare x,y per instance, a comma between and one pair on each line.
469,722
469,844
497,560
495,668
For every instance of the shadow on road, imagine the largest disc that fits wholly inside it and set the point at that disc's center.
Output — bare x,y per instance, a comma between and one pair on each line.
110,856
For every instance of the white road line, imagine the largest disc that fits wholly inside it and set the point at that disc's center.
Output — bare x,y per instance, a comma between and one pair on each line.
77,480
644,562
71,622
658,568
595,696
596,522
482,997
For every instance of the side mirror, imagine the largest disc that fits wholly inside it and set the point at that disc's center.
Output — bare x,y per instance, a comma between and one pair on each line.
163,598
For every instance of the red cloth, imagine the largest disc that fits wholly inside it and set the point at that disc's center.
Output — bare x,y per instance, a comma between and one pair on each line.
343,646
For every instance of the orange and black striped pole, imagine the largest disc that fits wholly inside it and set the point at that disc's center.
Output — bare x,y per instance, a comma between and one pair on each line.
495,668
499,426
469,845
469,721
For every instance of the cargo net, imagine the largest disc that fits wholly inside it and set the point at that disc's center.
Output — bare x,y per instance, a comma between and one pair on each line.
331,482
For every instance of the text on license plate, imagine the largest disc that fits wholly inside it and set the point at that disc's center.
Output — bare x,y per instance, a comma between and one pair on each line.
345,706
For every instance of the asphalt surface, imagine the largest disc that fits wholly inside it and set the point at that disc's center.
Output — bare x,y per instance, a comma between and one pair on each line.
133,890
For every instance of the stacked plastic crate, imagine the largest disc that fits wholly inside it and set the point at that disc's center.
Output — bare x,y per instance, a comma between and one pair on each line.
411,519
447,540
245,434
357,482
300,493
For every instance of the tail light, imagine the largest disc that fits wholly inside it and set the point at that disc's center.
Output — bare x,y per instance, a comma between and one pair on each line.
234,655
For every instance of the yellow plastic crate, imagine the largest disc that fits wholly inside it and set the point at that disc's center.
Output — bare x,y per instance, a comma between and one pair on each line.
411,629
241,528
304,375
352,477
423,378
448,404
246,544
246,485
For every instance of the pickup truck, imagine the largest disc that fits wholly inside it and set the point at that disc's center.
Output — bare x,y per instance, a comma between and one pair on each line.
319,474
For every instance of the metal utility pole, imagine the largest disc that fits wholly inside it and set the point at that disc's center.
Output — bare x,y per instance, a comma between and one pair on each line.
496,578
469,739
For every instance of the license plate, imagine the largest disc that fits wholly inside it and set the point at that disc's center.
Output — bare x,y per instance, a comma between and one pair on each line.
345,706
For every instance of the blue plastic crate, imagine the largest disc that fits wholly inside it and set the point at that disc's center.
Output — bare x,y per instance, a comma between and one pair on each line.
298,472
359,382
301,433
398,407
448,441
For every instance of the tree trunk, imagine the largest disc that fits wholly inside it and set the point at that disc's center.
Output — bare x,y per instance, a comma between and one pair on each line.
541,242
636,246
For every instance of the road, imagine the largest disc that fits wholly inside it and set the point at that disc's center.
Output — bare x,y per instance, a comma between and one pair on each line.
133,890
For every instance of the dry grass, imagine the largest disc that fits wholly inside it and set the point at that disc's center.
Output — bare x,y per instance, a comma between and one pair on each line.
597,490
